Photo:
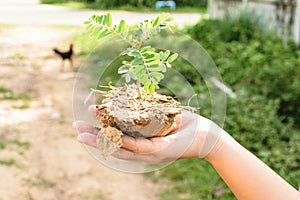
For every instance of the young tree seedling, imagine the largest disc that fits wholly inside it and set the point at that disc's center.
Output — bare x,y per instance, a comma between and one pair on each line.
146,65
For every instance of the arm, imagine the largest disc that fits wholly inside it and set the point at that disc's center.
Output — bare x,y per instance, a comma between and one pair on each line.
195,136
247,176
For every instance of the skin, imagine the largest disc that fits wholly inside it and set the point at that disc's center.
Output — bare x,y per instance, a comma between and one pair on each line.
197,137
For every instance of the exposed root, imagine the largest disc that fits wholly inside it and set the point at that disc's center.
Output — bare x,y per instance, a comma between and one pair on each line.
109,140
139,115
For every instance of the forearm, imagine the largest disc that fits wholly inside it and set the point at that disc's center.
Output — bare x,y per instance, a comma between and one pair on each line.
247,176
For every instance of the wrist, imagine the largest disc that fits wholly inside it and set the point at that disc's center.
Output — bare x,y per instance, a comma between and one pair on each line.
224,142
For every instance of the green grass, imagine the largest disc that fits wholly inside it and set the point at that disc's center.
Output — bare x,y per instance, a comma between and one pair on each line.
5,143
95,6
191,179
21,100
9,94
18,56
9,162
92,194
13,145
40,181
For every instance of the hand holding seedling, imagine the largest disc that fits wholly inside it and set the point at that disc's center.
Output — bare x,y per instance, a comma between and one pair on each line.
135,109
193,136
246,175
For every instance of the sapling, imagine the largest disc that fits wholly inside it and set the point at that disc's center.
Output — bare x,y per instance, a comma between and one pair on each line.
135,109
147,65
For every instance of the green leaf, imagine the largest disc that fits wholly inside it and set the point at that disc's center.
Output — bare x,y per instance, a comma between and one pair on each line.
125,62
143,49
164,55
167,53
109,19
157,76
160,55
172,57
87,22
163,67
102,34
153,62
137,61
127,78
139,69
146,87
132,75
121,26
143,78
151,88
123,69
149,56
155,68
100,19
155,22
133,52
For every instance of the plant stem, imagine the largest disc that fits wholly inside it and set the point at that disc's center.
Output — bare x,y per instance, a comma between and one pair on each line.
138,87
114,32
146,67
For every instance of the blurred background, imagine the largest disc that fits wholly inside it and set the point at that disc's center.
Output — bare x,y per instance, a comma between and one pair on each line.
255,45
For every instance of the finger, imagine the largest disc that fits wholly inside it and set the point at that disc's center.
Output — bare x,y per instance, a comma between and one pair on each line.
93,109
88,139
83,126
128,155
124,154
177,124
137,145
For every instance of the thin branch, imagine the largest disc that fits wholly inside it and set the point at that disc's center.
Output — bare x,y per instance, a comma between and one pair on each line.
114,32
146,67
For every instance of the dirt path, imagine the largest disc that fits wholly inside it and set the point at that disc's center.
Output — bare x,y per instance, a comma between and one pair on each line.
40,158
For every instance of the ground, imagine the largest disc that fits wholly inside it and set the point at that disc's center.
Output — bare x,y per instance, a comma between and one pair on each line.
40,157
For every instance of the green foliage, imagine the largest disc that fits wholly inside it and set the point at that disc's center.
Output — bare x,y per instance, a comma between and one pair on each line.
8,94
5,143
265,76
21,100
147,65
13,144
193,3
258,59
9,162
111,4
192,179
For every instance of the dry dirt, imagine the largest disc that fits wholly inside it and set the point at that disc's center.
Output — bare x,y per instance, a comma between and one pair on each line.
54,165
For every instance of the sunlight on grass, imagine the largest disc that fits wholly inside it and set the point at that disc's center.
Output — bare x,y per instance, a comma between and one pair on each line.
92,194
82,5
5,143
9,162
39,181
9,94
20,100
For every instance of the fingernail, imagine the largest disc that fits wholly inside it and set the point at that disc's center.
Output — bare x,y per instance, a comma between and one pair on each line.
79,139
